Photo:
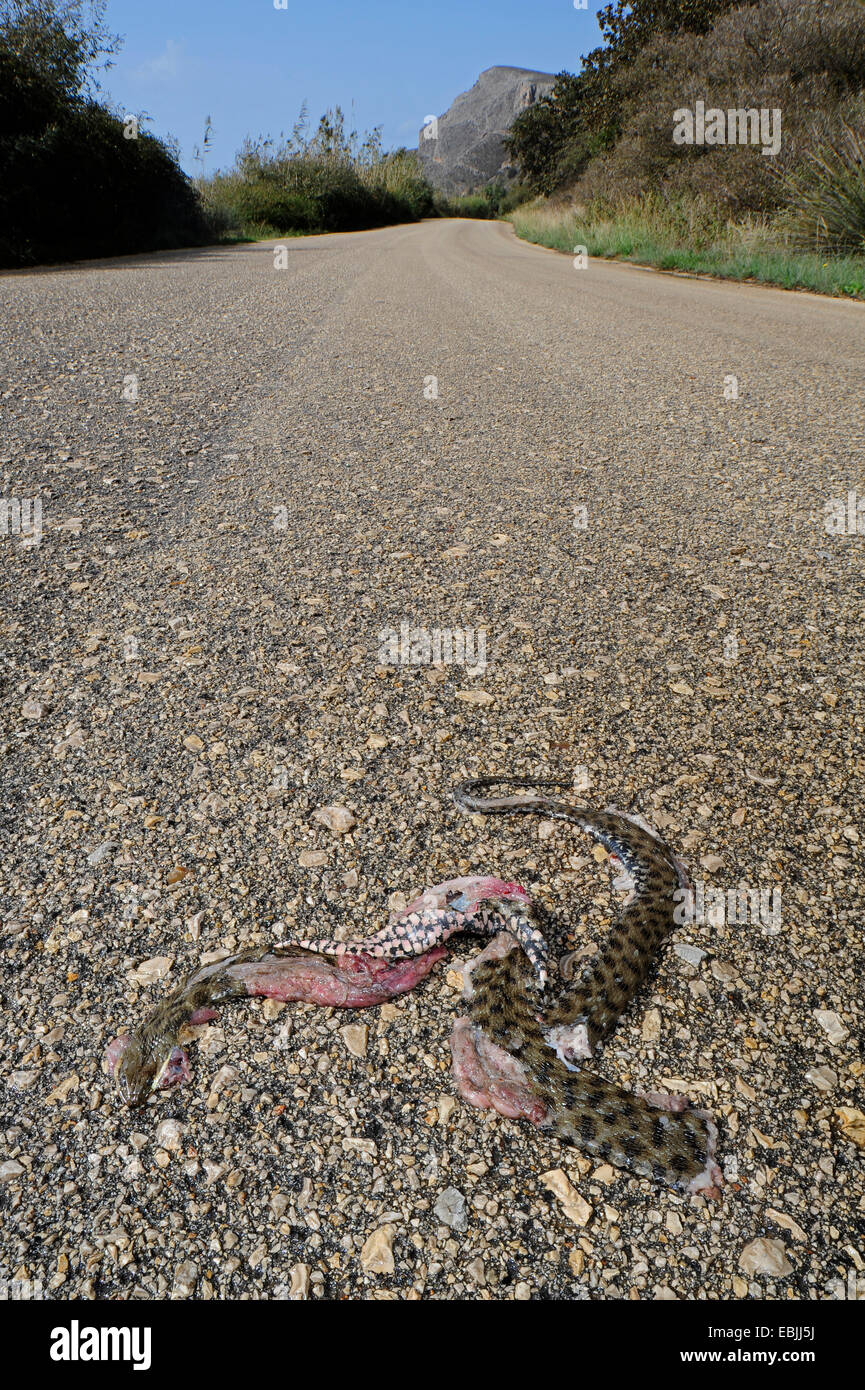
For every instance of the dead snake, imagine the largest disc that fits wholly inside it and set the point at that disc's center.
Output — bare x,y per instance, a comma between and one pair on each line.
509,1055
510,1052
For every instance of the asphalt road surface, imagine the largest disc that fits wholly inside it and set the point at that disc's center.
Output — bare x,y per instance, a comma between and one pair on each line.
247,495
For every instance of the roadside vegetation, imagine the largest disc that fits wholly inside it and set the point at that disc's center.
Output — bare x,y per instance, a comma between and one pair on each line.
331,181
79,179
600,159
76,178
327,181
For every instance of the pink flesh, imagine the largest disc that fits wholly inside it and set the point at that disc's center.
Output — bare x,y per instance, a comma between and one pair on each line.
202,1015
476,890
491,1078
114,1051
486,1075
175,1074
710,1181
354,983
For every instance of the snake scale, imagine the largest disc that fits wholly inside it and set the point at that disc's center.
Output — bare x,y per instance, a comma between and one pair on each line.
514,1050
505,1042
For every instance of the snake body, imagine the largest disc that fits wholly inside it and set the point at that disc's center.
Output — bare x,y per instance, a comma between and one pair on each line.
475,905
513,1050
324,972
151,1058
505,1047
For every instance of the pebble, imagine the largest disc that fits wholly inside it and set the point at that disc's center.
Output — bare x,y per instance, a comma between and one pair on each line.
445,1106
169,1134
476,1271
356,1037
692,955
824,1078
185,1279
337,818
605,1174
376,1256
852,1122
149,971
787,1223
575,1207
312,858
102,851
831,1025
450,1209
650,1028
765,1256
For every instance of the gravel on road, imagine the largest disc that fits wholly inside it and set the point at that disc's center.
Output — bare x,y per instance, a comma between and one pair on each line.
273,487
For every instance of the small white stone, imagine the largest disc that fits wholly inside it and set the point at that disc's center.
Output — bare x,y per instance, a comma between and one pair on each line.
831,1025
169,1135
355,1036
692,955
765,1256
824,1078
337,818
650,1030
185,1279
97,855
446,1106
477,1272
376,1256
23,1080
575,1207
451,1209
149,971
312,858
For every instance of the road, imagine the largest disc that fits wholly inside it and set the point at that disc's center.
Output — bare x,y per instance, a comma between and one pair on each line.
262,489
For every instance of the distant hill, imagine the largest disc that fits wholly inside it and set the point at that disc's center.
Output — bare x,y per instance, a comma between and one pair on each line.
463,149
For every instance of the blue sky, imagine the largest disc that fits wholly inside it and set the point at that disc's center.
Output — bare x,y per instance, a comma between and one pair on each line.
386,62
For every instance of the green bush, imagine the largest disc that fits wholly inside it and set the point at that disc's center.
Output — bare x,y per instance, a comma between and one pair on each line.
267,203
463,205
324,182
606,134
71,184
828,196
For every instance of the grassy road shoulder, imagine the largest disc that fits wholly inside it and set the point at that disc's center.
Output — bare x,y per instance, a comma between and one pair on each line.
688,239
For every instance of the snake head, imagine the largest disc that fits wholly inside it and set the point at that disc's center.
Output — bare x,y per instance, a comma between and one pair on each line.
138,1068
467,894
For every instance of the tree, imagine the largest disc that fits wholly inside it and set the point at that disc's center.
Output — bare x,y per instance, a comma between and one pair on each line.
554,140
61,41
72,183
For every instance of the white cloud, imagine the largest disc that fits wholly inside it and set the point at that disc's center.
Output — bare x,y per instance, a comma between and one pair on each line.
165,67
